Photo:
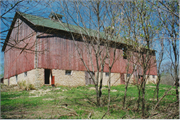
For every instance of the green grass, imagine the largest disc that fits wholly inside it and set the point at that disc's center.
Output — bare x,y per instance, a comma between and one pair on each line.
80,100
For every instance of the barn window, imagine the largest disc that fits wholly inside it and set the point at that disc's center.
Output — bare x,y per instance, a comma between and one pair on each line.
124,53
107,74
16,78
68,72
153,76
25,74
128,75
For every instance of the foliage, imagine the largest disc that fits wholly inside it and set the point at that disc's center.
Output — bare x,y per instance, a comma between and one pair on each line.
31,87
22,85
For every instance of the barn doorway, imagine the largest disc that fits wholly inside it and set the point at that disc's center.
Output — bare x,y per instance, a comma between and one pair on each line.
88,78
47,73
122,79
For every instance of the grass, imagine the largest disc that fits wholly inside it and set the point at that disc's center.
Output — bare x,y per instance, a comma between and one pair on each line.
48,102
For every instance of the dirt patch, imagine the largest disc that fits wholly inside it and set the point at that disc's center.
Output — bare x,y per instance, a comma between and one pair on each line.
48,99
152,86
38,93
57,88
93,88
152,99
113,90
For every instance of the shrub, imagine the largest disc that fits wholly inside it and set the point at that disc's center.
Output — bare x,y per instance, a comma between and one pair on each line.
31,87
22,84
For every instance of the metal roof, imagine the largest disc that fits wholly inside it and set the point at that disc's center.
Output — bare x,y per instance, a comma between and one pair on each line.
58,25
45,22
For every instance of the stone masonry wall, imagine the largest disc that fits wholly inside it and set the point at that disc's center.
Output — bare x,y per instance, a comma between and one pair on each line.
130,79
115,79
151,79
30,77
77,78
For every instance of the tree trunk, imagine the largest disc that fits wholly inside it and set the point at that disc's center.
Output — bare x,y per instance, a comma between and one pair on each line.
109,89
157,87
97,96
143,100
139,98
124,96
176,82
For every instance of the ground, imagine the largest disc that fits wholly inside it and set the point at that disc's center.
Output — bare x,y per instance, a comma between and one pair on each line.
79,103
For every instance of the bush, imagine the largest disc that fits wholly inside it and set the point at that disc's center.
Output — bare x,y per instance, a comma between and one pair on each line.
31,87
22,84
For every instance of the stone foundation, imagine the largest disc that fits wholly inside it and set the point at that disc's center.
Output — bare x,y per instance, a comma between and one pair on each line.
151,79
76,78
115,79
29,77
131,79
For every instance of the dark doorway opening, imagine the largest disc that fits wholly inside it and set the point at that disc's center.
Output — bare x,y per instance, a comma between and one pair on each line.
122,79
88,78
46,75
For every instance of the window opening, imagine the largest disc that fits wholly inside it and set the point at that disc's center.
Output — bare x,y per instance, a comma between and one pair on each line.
16,78
107,74
68,72
128,75
25,74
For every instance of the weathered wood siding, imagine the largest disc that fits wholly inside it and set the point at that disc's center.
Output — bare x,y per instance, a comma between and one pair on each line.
16,62
59,52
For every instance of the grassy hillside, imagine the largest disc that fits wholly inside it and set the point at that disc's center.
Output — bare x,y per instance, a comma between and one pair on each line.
79,103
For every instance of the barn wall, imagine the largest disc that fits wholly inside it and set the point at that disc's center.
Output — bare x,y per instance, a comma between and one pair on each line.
60,53
29,79
77,78
15,62
115,79
150,79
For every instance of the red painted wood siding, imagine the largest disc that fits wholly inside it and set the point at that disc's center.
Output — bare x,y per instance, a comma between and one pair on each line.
61,53
14,62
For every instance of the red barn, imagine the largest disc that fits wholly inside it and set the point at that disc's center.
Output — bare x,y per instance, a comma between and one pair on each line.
41,51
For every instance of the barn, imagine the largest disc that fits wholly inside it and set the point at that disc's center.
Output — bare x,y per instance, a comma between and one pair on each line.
41,51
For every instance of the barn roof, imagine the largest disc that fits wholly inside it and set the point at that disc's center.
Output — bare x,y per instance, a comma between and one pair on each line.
45,22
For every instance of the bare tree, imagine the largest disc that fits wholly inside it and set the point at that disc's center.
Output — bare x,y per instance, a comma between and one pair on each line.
142,31
168,16
170,20
99,44
159,61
